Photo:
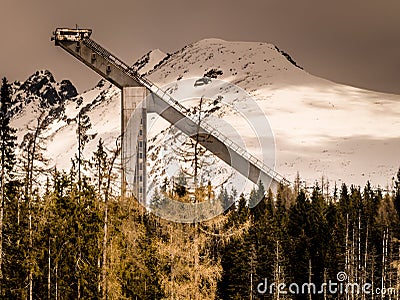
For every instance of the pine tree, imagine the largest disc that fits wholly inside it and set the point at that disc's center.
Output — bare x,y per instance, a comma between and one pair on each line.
32,156
99,166
7,141
7,134
180,187
299,225
319,235
236,260
14,256
396,199
107,196
264,238
83,138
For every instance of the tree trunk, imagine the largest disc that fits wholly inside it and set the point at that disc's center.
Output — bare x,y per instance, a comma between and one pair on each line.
364,280
1,215
325,280
56,274
32,148
347,252
104,266
49,274
359,249
277,271
79,154
99,278
384,258
196,262
398,275
30,254
105,237
309,277
1,224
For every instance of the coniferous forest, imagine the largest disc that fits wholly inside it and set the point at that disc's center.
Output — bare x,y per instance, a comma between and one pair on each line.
70,235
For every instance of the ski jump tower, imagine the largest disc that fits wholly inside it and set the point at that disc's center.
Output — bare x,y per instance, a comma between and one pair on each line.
135,89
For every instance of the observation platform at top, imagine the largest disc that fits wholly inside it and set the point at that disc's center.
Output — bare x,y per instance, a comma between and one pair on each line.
78,43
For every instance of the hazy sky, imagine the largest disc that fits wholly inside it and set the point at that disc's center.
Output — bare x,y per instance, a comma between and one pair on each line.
350,41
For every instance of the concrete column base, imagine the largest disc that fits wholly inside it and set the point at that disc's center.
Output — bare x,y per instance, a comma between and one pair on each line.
134,142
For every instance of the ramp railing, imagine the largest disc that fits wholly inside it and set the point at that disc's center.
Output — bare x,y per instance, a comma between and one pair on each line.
164,96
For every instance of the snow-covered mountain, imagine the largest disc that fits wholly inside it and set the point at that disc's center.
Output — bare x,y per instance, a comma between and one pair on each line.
321,128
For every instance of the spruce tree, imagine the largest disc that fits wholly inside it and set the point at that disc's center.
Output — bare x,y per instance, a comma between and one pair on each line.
83,138
99,162
299,225
7,141
7,134
396,199
236,260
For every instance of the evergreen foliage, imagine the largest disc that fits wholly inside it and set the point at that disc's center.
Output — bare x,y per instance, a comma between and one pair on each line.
73,237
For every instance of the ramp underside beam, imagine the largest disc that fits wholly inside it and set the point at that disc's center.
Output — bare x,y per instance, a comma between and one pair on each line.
99,64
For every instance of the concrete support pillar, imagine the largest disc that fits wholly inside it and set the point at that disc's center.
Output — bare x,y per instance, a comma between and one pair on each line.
133,155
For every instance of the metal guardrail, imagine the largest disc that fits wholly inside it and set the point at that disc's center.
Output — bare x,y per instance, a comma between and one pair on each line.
163,95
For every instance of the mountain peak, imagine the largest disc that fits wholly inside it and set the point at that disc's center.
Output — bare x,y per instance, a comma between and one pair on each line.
42,85
149,61
37,80
251,65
